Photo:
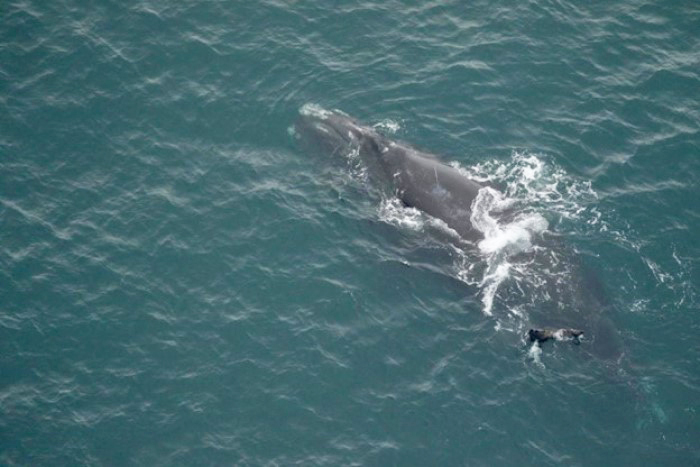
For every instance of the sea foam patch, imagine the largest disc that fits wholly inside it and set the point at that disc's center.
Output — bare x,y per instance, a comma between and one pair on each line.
534,196
387,126
501,239
314,110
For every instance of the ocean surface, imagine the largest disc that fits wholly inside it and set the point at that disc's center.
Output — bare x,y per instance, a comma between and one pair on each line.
183,283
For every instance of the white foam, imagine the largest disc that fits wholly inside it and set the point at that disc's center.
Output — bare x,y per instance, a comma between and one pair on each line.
387,126
501,240
492,279
540,185
358,170
314,110
535,352
393,212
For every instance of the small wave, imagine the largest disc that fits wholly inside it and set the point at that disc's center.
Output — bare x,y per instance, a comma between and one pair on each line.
392,211
314,110
387,126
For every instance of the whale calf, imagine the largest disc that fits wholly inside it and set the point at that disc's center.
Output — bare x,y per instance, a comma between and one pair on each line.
543,335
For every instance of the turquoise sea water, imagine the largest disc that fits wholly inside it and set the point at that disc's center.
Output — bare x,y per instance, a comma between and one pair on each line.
181,283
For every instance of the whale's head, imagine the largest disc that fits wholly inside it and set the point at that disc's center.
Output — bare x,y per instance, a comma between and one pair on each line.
329,131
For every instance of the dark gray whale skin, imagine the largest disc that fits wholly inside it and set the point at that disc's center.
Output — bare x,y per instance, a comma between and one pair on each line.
420,180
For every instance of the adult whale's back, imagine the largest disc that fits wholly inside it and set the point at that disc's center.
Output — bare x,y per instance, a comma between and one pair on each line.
572,298
417,178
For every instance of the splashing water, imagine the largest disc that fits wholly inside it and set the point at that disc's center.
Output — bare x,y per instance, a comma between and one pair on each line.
535,354
535,190
500,241
392,211
389,127
539,186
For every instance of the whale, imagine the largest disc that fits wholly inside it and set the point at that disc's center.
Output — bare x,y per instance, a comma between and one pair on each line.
419,179
576,307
